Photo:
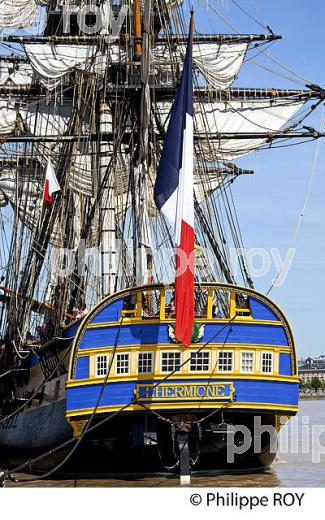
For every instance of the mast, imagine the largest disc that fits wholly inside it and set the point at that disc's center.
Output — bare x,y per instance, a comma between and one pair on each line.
144,253
107,206
137,30
126,102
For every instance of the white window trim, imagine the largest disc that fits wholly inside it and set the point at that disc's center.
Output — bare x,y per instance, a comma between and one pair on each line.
272,363
232,364
203,371
153,362
96,360
170,352
241,359
129,363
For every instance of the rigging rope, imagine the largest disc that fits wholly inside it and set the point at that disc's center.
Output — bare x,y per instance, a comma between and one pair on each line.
297,78
297,229
251,16
218,13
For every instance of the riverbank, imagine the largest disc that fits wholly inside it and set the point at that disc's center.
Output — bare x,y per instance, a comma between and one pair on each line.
312,398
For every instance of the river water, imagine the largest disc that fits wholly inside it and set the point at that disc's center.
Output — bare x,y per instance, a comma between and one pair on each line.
300,462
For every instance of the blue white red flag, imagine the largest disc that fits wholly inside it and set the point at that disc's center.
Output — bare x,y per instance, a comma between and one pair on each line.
174,195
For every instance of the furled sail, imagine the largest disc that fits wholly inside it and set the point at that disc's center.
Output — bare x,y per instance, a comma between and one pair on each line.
15,14
52,62
30,200
8,116
42,119
39,119
250,116
16,74
29,195
212,118
218,62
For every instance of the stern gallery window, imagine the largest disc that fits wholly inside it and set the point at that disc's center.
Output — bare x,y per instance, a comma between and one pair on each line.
101,365
122,363
267,362
247,362
170,361
225,361
145,363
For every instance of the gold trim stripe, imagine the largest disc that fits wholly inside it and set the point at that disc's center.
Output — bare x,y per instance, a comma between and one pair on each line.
112,379
198,404
157,347
135,321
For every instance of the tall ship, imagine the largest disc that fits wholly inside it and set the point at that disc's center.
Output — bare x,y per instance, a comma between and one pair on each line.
121,138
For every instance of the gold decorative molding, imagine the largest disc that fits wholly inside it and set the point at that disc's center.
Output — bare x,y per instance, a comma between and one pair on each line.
78,427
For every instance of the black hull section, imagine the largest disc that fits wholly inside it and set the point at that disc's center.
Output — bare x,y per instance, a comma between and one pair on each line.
37,429
136,443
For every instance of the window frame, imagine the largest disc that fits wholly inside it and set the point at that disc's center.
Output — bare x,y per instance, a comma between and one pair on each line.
217,295
152,362
116,364
272,363
96,364
203,298
170,352
203,352
232,361
241,361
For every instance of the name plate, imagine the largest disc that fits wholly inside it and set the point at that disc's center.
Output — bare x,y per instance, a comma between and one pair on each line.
185,392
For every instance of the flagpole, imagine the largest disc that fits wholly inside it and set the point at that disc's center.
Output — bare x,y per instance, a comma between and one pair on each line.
192,23
184,284
174,194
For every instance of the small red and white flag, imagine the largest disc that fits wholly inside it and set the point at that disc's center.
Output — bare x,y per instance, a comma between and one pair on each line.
51,184
174,196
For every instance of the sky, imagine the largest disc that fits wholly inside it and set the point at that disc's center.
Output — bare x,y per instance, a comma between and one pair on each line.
270,202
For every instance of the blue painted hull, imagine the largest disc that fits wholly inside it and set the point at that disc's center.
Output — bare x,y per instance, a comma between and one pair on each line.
152,334
249,392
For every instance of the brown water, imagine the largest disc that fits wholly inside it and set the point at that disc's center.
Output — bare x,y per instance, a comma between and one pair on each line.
293,468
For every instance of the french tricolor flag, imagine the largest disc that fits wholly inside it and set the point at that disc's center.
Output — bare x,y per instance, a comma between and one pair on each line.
51,184
174,195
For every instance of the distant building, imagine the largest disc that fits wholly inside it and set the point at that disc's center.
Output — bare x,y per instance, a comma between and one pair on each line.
312,367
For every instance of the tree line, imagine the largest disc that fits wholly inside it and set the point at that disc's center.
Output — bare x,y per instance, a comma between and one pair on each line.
314,384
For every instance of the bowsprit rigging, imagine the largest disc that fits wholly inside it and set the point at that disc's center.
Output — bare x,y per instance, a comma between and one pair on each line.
90,93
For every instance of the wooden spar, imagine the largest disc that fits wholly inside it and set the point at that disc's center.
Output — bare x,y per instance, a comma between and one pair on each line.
41,305
173,38
218,38
137,30
198,137
13,58
206,94
201,93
